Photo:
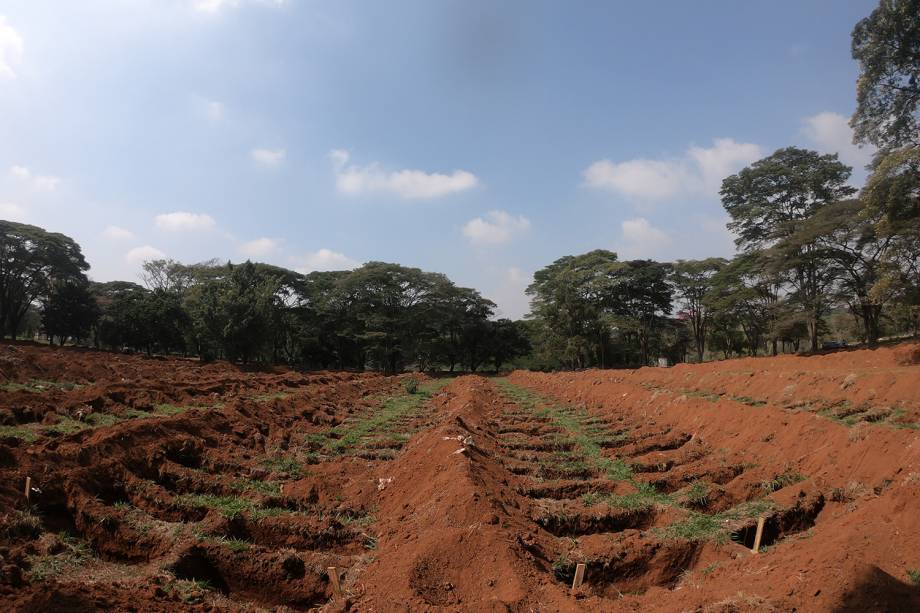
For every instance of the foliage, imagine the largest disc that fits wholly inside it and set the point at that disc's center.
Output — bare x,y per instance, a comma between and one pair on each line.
592,307
768,201
887,46
30,259
69,311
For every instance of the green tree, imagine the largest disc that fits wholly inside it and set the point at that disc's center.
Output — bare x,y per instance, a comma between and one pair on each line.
568,296
770,200
506,341
887,46
692,280
30,259
69,311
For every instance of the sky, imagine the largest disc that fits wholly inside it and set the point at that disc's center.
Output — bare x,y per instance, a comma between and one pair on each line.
476,138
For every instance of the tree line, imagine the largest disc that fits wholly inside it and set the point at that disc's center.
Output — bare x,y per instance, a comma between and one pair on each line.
813,251
379,316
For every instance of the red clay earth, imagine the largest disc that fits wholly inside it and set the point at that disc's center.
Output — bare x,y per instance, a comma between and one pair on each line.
165,484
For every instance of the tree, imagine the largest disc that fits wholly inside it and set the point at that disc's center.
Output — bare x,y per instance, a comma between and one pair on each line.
507,340
30,260
851,243
770,200
743,296
692,280
638,297
69,311
568,295
887,46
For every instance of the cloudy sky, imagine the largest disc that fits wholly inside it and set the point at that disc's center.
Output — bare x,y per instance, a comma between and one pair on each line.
477,138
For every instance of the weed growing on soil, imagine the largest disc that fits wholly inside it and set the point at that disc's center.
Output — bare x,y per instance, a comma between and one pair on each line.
26,433
780,481
38,386
230,506
717,528
562,567
72,553
410,385
283,464
698,494
349,435
168,409
269,397
189,591
914,576
21,524
267,488
237,545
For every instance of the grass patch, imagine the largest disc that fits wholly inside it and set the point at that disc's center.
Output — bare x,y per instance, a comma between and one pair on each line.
230,506
914,575
270,397
346,436
38,386
698,494
26,432
780,481
283,464
169,409
189,591
73,554
266,488
586,436
717,527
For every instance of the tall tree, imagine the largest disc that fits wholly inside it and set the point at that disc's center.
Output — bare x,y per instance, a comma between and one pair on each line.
30,260
568,295
771,199
887,46
692,280
69,311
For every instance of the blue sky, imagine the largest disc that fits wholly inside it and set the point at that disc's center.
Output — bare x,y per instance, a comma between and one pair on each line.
476,138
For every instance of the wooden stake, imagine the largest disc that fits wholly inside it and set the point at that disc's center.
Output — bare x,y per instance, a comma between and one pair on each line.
760,522
579,576
28,491
334,580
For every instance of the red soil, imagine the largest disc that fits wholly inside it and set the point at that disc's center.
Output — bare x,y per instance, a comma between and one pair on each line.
477,508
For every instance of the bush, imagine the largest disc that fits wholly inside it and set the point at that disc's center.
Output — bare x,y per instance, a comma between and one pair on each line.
411,385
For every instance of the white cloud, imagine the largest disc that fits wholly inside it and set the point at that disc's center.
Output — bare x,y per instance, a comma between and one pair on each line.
139,255
640,239
214,110
11,47
831,133
326,259
183,220
355,180
42,183
724,158
508,292
215,6
117,233
498,227
12,212
260,247
698,172
268,157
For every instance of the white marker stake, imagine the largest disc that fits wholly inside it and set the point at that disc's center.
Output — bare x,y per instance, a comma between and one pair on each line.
579,576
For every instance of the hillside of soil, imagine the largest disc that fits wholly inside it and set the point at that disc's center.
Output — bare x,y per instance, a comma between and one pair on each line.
166,484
